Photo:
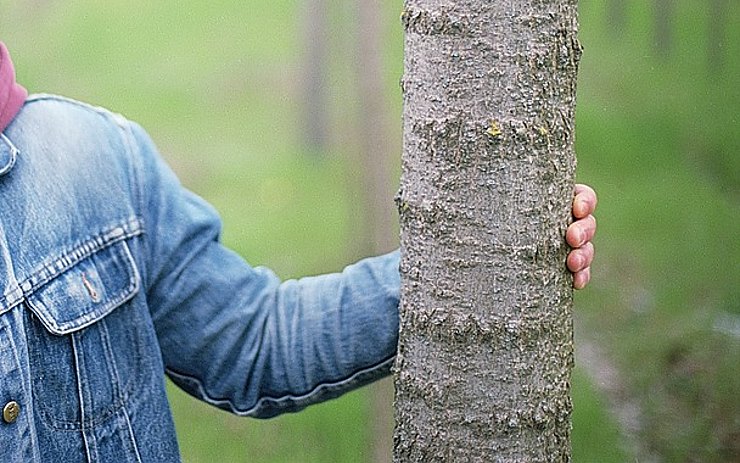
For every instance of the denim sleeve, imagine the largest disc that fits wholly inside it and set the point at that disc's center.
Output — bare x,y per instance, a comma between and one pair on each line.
235,335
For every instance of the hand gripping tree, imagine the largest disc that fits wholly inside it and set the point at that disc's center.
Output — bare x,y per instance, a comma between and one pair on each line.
486,350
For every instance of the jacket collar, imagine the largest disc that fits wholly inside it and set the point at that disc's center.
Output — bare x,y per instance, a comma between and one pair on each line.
12,95
8,154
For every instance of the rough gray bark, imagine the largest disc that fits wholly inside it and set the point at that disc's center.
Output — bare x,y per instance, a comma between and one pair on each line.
486,350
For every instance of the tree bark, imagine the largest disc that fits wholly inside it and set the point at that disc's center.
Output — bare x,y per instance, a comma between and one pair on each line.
485,348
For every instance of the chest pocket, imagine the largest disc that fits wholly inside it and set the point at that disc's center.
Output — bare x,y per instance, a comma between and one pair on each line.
85,336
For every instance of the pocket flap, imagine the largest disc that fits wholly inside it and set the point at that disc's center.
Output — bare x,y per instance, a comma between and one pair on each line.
86,291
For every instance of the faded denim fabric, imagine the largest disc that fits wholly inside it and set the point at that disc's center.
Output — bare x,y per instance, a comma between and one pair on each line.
112,275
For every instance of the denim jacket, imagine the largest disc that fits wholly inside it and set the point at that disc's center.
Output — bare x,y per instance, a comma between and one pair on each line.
112,275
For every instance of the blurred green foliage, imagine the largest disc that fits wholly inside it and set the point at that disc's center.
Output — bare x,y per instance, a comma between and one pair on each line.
215,83
659,137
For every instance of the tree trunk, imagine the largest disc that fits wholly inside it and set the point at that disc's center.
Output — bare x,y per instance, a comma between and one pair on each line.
663,19
315,28
616,17
485,349
373,135
376,152
718,15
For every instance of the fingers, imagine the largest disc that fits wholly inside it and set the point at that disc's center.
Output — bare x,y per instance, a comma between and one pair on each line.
579,235
579,263
584,202
581,231
580,259
581,279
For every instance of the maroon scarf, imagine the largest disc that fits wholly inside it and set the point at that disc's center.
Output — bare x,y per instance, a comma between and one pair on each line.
12,95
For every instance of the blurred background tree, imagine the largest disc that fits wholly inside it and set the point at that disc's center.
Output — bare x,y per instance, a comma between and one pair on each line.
220,86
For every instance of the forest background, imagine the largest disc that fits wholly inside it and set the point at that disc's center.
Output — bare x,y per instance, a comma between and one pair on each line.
272,130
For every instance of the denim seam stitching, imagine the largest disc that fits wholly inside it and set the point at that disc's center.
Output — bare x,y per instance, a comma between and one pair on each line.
39,97
82,321
51,269
300,400
45,273
90,421
13,155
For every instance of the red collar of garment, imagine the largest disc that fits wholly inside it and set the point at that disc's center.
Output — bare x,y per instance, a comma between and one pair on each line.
12,95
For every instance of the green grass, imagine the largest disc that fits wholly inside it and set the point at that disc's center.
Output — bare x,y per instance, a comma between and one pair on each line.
332,432
215,85
596,437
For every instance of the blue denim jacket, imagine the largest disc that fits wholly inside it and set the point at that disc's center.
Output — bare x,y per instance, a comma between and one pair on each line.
113,275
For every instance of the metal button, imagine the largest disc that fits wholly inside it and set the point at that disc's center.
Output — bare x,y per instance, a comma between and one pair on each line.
11,410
